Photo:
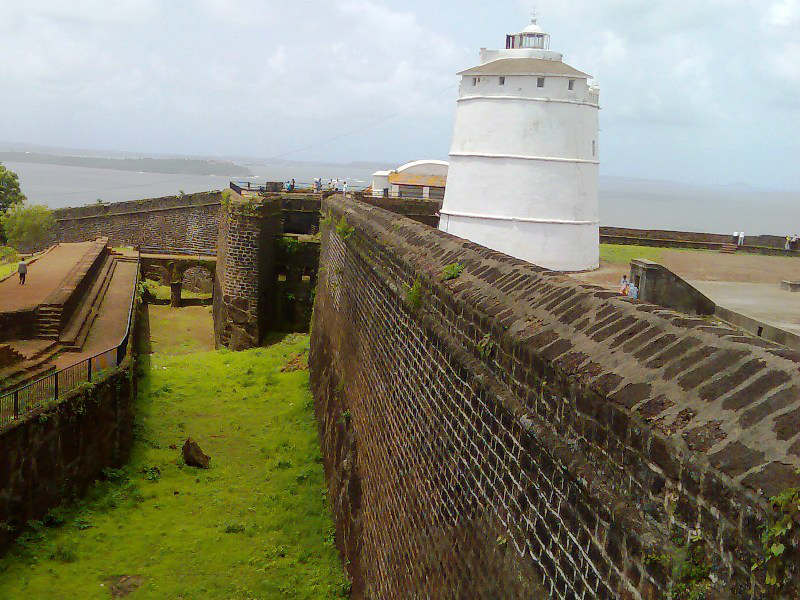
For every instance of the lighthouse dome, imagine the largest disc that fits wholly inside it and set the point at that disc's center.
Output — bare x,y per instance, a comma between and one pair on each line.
533,28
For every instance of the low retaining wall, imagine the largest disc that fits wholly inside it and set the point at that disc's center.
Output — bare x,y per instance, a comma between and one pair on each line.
54,454
420,210
658,285
18,324
759,328
760,244
510,428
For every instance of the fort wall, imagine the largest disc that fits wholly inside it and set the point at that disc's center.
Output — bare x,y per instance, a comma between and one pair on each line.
510,428
248,230
759,244
189,221
54,453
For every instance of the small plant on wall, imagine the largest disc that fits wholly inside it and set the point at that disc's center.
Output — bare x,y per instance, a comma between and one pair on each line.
344,229
776,538
414,294
452,271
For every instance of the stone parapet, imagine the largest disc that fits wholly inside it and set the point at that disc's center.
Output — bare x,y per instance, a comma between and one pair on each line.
511,421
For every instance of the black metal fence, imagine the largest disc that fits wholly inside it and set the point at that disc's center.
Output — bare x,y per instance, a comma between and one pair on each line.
45,390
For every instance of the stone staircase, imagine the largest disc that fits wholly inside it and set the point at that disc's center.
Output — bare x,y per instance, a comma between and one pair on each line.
33,363
77,330
48,321
9,355
729,248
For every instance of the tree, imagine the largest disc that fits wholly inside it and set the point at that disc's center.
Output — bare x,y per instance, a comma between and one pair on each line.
10,193
27,226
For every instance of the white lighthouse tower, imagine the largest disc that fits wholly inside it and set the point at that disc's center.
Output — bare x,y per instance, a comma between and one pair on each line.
524,158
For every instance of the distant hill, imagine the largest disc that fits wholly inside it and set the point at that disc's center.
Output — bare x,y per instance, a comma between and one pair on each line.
177,166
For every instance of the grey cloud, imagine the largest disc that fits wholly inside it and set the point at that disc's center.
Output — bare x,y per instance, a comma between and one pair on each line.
262,77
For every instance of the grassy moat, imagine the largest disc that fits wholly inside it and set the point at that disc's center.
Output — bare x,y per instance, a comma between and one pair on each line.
256,525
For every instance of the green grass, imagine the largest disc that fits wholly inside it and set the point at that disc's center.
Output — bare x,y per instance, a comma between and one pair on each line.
619,254
623,253
8,260
162,292
181,330
256,525
7,268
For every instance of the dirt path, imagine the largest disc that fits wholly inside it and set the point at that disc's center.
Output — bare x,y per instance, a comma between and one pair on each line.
44,276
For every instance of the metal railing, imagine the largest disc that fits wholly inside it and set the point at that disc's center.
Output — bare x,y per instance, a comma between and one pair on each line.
24,399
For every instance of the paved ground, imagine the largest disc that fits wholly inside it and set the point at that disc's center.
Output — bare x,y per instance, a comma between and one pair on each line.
109,327
44,276
745,283
763,301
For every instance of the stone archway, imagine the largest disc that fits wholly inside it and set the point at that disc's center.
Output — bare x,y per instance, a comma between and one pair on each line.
173,269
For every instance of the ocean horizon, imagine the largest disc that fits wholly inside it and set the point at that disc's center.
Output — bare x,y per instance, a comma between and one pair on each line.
624,201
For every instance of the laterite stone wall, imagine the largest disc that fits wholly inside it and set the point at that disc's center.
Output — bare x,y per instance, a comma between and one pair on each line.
513,433
189,222
245,271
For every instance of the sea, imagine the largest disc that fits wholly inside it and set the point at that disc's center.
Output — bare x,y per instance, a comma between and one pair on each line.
624,202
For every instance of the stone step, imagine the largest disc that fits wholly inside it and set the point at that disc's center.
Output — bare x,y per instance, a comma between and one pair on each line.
77,330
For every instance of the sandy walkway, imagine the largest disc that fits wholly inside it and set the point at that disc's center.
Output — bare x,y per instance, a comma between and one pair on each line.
109,326
44,276
745,283
710,266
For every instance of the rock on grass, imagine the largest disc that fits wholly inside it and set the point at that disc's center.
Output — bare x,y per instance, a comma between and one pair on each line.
193,455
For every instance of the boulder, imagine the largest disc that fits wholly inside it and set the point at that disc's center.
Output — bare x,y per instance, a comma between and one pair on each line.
193,455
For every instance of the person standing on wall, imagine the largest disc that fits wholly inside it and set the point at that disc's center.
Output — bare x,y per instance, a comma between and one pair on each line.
623,285
22,269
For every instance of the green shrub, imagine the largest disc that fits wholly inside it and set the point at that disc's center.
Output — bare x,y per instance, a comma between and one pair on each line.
27,225
452,271
414,294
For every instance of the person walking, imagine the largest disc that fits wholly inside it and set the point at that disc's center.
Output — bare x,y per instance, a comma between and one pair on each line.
344,188
22,269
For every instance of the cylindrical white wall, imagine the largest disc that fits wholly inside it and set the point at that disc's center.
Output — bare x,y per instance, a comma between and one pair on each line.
523,171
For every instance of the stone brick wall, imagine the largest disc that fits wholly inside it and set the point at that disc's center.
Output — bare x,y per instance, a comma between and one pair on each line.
760,244
296,264
245,269
54,454
190,221
512,428
423,211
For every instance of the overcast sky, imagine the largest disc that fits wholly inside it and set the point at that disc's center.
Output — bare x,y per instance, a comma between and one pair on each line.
706,91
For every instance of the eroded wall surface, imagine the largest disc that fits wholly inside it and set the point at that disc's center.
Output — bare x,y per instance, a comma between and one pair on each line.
511,432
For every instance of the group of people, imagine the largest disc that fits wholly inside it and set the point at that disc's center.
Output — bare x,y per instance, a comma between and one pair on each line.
738,238
791,242
333,184
628,288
